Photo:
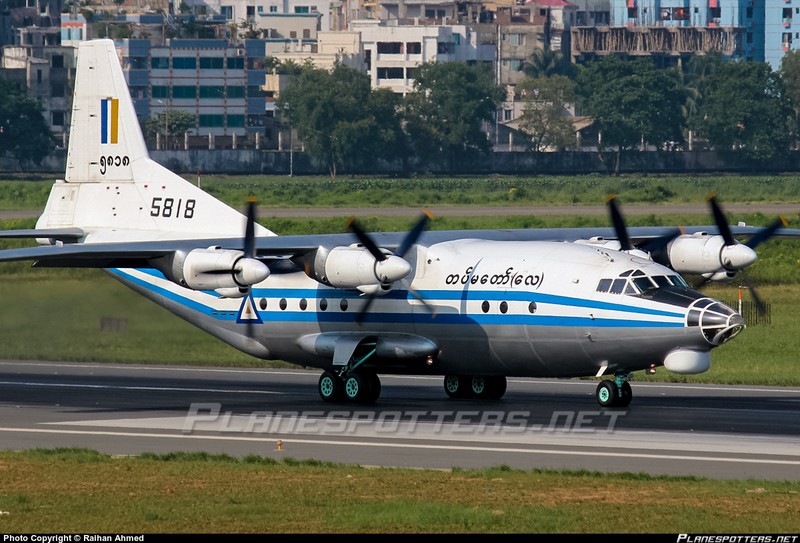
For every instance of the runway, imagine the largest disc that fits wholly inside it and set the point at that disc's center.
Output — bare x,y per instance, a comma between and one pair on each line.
671,429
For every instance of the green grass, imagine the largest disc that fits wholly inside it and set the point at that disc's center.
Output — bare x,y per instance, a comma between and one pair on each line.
284,191
86,492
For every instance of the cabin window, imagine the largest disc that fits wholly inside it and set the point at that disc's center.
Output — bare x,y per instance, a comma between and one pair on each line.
485,306
282,304
343,304
303,304
323,304
532,307
503,308
262,304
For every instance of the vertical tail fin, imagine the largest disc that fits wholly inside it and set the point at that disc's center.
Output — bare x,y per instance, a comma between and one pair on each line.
109,139
112,190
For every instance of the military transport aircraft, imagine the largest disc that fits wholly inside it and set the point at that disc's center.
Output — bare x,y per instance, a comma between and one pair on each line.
472,306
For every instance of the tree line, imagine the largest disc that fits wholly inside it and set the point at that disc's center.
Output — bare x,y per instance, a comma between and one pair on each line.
727,105
347,125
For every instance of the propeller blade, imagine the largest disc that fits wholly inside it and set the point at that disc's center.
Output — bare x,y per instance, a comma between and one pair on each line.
766,233
721,221
365,240
250,229
414,234
761,307
361,315
657,244
418,296
619,224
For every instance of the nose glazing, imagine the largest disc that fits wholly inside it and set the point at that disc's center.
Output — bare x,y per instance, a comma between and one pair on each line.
717,322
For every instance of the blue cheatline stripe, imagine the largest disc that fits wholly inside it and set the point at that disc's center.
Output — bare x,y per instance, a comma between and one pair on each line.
382,317
440,294
104,121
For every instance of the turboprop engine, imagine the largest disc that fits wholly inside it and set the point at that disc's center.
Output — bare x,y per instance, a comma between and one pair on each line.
355,267
703,254
227,271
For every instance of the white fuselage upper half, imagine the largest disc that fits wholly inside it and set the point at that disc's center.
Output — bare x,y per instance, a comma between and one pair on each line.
506,308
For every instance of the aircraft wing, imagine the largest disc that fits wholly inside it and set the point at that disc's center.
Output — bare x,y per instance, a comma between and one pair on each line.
138,253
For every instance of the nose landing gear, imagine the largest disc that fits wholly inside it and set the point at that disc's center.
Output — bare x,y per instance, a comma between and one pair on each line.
616,393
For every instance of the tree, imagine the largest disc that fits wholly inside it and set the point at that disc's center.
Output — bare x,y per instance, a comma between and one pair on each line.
170,124
24,133
545,62
632,102
747,108
445,112
341,120
790,75
696,76
546,118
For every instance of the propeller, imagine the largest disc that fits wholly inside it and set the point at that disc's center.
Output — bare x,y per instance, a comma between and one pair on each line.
653,246
249,250
737,256
619,224
402,250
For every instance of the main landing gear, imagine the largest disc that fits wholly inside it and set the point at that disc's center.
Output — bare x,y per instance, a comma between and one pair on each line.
360,386
616,393
491,387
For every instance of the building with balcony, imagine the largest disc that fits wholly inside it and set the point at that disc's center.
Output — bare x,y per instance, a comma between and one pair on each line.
218,81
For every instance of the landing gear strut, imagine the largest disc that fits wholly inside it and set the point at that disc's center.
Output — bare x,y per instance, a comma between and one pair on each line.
481,387
616,393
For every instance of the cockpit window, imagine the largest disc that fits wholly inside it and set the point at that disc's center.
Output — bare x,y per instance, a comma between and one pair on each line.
637,282
662,280
643,284
678,281
618,286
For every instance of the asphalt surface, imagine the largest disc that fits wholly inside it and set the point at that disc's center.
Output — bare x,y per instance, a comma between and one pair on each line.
728,432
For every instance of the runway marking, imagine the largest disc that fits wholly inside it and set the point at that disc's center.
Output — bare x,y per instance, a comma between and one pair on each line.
313,374
157,389
448,447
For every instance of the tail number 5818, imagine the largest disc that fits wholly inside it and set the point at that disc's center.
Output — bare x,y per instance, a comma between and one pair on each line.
170,207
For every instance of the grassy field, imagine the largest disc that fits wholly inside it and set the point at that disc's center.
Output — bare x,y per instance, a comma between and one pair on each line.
43,312
283,191
78,491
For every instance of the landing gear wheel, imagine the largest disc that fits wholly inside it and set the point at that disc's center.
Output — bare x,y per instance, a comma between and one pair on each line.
478,386
496,387
373,388
356,386
607,393
456,386
330,387
625,395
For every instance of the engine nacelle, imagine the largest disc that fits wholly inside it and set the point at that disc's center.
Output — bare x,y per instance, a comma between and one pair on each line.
722,275
704,254
355,267
215,268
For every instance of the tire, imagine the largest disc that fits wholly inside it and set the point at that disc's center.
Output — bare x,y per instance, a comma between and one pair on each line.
497,387
373,388
625,395
356,386
479,386
330,387
454,386
607,393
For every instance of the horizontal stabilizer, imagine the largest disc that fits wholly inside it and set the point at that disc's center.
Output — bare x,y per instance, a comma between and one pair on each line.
61,234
